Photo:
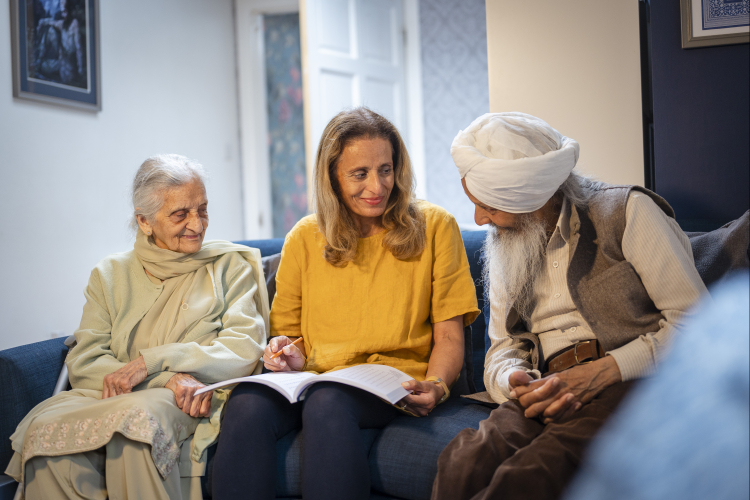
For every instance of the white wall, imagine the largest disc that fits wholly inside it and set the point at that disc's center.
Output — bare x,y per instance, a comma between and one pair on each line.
168,86
576,65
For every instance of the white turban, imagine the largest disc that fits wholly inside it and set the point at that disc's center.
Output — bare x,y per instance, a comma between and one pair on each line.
513,162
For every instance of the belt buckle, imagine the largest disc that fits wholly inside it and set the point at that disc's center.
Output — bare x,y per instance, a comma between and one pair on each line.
575,353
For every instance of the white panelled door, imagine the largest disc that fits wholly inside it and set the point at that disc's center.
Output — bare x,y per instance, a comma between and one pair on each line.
353,54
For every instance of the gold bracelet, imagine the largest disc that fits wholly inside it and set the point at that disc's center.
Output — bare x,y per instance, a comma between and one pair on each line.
438,381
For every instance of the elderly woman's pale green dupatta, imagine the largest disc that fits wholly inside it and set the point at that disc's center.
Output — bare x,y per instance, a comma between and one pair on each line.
194,286
185,307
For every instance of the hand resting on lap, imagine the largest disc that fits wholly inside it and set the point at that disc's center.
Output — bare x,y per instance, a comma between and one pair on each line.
184,386
559,395
123,380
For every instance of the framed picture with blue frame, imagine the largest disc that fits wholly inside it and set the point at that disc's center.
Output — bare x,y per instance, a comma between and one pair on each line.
55,46
714,22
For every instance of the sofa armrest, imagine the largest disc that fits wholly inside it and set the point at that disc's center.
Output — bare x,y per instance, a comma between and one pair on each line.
29,374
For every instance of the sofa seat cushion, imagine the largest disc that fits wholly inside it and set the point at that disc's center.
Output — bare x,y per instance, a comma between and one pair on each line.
403,459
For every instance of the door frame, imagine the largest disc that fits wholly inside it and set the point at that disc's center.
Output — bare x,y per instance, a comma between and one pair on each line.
253,111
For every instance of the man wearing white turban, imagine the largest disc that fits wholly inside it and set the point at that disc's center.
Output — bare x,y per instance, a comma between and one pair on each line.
586,281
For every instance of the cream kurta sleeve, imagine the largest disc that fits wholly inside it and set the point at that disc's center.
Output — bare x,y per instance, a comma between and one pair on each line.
237,347
92,359
660,253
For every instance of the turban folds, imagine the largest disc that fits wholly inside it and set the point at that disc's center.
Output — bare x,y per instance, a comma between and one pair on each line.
513,162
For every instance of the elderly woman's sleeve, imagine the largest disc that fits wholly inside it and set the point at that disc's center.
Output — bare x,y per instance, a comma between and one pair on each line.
236,349
453,290
92,359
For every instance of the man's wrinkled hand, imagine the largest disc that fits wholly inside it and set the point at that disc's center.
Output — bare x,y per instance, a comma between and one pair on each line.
184,387
123,380
559,395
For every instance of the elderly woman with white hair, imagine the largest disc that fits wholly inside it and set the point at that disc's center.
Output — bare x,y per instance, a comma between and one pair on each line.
159,322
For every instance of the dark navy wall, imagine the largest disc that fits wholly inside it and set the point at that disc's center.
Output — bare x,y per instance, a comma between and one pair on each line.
701,123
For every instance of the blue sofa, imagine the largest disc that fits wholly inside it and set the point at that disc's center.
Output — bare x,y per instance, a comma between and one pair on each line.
403,456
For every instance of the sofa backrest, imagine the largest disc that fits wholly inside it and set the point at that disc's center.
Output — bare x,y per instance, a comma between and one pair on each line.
28,374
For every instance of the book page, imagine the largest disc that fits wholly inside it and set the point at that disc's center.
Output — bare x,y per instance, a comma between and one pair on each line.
284,382
383,381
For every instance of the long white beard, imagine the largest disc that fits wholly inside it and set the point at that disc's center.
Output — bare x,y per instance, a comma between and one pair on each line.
513,259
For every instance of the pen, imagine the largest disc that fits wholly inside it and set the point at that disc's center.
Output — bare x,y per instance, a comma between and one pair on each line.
280,352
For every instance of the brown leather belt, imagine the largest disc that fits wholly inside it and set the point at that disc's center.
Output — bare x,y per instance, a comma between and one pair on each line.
579,353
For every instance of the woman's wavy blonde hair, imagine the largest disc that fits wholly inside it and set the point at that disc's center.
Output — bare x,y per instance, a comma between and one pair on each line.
403,221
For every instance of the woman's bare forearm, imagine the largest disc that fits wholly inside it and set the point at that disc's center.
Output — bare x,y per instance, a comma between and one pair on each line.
448,351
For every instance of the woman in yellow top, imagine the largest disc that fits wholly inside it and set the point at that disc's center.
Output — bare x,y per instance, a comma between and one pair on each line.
374,276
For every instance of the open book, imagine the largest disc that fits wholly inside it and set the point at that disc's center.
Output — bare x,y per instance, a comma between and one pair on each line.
380,380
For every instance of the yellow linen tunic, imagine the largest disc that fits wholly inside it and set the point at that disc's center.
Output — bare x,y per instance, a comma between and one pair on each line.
378,309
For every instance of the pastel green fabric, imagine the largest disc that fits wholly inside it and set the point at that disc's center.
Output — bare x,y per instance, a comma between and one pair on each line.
213,327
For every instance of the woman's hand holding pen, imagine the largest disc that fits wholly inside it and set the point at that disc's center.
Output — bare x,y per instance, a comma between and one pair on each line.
283,355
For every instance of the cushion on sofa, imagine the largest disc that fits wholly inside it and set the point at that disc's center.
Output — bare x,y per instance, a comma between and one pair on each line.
722,250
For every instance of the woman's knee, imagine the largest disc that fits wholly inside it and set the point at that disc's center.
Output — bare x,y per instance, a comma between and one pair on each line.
331,404
255,407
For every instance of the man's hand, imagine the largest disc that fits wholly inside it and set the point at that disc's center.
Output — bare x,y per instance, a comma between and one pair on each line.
292,358
561,394
424,398
123,380
184,387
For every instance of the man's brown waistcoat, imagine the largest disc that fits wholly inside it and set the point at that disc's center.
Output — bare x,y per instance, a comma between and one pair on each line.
604,286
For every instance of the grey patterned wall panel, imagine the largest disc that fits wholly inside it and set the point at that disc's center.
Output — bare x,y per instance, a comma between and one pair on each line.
455,88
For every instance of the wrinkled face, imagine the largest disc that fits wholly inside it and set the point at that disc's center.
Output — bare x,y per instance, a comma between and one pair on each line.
365,176
181,223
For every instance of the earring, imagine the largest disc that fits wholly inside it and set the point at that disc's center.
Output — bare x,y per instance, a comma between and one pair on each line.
148,233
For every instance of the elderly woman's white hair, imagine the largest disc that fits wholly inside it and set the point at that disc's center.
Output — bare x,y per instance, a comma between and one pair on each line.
156,175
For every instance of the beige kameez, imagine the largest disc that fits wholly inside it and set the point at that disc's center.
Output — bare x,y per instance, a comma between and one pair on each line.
206,319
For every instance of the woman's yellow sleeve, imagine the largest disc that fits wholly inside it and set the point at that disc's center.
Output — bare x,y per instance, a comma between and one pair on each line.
286,311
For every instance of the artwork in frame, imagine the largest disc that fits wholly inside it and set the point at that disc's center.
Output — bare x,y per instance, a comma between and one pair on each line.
714,22
55,46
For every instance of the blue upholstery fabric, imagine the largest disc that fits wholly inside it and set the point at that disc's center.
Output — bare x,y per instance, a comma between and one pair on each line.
266,247
8,487
28,375
473,241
